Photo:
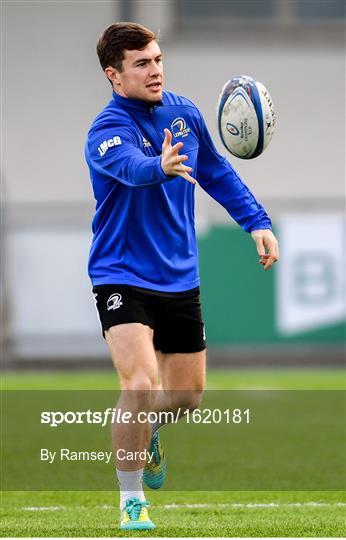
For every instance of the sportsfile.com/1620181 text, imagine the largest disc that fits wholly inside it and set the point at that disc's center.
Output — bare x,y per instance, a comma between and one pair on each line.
119,416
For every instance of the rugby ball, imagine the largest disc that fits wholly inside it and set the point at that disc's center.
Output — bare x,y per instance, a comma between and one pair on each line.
245,117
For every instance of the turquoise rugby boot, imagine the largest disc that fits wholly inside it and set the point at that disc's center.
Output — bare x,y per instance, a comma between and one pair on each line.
134,516
154,473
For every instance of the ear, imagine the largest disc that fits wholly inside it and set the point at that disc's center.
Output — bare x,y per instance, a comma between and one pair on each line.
112,74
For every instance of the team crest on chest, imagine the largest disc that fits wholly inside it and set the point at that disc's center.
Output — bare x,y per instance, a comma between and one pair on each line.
179,128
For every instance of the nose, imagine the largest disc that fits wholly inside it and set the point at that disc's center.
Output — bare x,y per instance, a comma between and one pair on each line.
154,69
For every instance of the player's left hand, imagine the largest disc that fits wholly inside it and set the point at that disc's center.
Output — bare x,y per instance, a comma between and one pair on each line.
267,247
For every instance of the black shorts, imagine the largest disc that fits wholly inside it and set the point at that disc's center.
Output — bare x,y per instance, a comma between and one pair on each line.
176,318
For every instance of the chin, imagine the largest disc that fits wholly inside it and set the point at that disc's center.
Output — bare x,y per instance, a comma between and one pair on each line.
153,99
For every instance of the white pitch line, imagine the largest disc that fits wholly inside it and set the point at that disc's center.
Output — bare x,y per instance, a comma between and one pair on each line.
248,505
42,508
174,506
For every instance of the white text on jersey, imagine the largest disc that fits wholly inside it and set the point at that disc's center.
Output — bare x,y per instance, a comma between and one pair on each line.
146,143
108,144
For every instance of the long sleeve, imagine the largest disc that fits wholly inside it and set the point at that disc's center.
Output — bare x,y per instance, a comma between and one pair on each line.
114,153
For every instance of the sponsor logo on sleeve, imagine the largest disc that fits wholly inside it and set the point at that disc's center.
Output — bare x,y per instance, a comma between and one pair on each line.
108,143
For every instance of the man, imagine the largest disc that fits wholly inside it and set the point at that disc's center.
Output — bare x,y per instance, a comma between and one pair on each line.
145,151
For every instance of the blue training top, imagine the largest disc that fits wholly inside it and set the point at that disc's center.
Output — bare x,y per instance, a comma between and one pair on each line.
144,232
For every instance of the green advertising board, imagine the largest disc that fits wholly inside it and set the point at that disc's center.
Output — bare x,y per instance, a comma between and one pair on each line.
241,302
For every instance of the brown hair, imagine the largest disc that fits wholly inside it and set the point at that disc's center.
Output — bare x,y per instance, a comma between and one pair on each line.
117,38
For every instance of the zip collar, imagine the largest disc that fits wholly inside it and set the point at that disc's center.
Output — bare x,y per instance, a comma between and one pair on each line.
132,104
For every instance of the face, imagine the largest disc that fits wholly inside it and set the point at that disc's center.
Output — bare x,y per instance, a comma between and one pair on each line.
142,74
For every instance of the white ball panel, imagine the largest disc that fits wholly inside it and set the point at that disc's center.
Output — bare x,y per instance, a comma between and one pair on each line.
239,124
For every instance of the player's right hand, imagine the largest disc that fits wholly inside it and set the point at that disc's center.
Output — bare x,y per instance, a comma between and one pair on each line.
172,162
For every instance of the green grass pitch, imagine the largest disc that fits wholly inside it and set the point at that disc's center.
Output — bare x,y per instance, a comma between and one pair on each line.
179,514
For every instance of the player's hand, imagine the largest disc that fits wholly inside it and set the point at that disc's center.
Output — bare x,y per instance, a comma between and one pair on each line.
267,247
172,162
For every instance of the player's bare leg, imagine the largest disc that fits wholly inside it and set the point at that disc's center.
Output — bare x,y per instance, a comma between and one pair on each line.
182,377
134,357
182,384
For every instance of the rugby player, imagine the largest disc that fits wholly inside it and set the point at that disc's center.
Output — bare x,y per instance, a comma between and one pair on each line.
145,152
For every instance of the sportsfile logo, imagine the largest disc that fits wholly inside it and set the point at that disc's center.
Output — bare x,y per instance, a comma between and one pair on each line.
178,128
108,143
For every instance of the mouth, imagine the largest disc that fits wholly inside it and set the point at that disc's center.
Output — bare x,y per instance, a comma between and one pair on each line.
154,86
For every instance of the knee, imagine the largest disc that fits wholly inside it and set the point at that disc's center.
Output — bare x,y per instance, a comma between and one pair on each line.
137,394
196,394
139,383
187,399
195,399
